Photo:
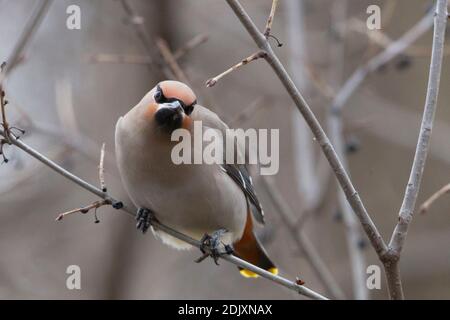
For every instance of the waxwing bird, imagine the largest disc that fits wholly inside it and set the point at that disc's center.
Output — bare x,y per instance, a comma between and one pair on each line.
213,203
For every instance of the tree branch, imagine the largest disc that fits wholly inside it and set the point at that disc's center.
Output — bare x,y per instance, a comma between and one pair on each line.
270,19
427,204
255,56
101,169
319,134
412,189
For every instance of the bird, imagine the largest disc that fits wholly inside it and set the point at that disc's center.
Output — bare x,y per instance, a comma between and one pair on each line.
213,203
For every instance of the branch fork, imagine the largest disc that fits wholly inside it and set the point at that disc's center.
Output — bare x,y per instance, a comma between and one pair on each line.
99,203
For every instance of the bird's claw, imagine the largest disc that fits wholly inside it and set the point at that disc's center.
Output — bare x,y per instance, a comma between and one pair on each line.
210,245
144,219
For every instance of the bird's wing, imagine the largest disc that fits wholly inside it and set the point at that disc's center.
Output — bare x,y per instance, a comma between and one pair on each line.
240,175
208,118
237,172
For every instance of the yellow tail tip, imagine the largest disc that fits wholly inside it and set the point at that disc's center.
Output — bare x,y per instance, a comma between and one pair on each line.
250,274
273,271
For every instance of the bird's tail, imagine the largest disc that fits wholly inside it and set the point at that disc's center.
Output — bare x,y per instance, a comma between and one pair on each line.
250,249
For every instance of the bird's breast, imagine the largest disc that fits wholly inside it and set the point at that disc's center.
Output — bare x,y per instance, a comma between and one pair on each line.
191,198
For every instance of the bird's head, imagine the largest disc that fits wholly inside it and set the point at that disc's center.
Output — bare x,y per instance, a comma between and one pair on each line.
172,103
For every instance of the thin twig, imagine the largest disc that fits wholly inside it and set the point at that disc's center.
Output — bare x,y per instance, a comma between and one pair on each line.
412,189
270,18
3,103
319,134
257,55
95,205
101,169
170,60
437,195
99,203
118,205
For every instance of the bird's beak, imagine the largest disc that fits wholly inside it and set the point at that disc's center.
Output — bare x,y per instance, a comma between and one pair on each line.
169,115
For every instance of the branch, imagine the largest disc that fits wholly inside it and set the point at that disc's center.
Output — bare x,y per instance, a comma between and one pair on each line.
319,134
438,194
96,204
270,19
4,123
412,189
257,55
68,175
101,169
119,205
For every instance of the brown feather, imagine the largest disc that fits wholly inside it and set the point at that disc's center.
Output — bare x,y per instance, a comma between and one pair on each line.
249,249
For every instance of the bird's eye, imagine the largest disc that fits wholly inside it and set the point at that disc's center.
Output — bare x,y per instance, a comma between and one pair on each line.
188,109
159,97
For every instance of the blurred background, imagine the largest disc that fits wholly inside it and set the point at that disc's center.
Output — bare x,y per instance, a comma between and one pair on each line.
71,86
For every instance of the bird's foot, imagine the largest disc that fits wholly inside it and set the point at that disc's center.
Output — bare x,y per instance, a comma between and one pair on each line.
144,219
211,245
